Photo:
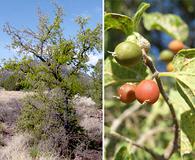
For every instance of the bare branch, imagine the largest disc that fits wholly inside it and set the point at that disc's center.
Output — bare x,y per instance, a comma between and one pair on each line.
156,156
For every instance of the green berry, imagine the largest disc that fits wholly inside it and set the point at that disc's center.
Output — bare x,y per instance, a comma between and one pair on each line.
127,53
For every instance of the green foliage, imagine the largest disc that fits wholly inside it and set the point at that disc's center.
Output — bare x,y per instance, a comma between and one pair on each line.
169,23
138,15
120,22
123,153
189,127
96,86
123,22
180,89
34,152
183,64
32,117
47,118
117,74
52,66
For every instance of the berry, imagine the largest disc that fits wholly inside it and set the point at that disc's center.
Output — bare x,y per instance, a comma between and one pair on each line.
175,46
147,91
166,55
127,53
126,92
170,67
139,40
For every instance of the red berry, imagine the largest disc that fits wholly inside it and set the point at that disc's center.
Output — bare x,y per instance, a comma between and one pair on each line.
126,93
147,91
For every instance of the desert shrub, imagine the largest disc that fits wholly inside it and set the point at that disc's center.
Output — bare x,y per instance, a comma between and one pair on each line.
14,82
34,152
43,115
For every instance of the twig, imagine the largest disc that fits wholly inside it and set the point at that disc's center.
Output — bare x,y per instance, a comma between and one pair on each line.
175,146
117,122
151,152
147,135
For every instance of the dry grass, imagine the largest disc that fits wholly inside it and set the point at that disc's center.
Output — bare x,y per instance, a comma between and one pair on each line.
6,96
18,149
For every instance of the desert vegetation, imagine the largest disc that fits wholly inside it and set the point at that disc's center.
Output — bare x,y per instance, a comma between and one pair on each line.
51,96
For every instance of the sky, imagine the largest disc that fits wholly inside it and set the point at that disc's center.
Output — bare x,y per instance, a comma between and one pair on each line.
23,14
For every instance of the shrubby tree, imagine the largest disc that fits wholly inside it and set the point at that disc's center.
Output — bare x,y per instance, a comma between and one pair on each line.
50,61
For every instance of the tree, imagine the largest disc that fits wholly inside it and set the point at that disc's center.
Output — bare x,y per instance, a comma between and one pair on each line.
51,61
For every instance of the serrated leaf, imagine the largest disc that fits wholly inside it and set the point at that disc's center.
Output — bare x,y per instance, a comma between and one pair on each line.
138,15
114,73
119,22
123,154
171,24
188,126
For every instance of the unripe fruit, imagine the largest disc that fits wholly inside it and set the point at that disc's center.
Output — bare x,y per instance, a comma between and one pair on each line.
166,55
170,67
176,45
139,40
127,53
126,93
147,91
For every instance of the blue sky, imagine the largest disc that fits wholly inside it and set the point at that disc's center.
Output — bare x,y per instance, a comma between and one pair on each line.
23,14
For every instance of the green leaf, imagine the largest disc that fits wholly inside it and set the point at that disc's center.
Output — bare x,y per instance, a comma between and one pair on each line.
123,154
188,126
171,24
114,73
119,22
184,67
186,93
138,15
185,146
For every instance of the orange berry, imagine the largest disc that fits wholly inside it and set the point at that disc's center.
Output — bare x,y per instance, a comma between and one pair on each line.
170,67
175,46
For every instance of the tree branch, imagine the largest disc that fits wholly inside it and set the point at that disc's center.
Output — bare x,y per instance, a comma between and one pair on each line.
175,145
117,122
156,156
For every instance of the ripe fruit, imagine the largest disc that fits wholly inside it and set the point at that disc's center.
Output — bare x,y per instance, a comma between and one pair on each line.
147,91
176,45
166,55
126,93
139,40
127,53
170,67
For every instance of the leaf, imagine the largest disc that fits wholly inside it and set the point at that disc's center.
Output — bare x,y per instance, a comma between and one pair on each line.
188,126
138,15
123,154
184,66
186,93
119,22
185,146
171,24
114,73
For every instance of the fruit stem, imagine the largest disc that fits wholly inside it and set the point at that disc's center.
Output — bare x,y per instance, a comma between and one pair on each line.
167,74
174,146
